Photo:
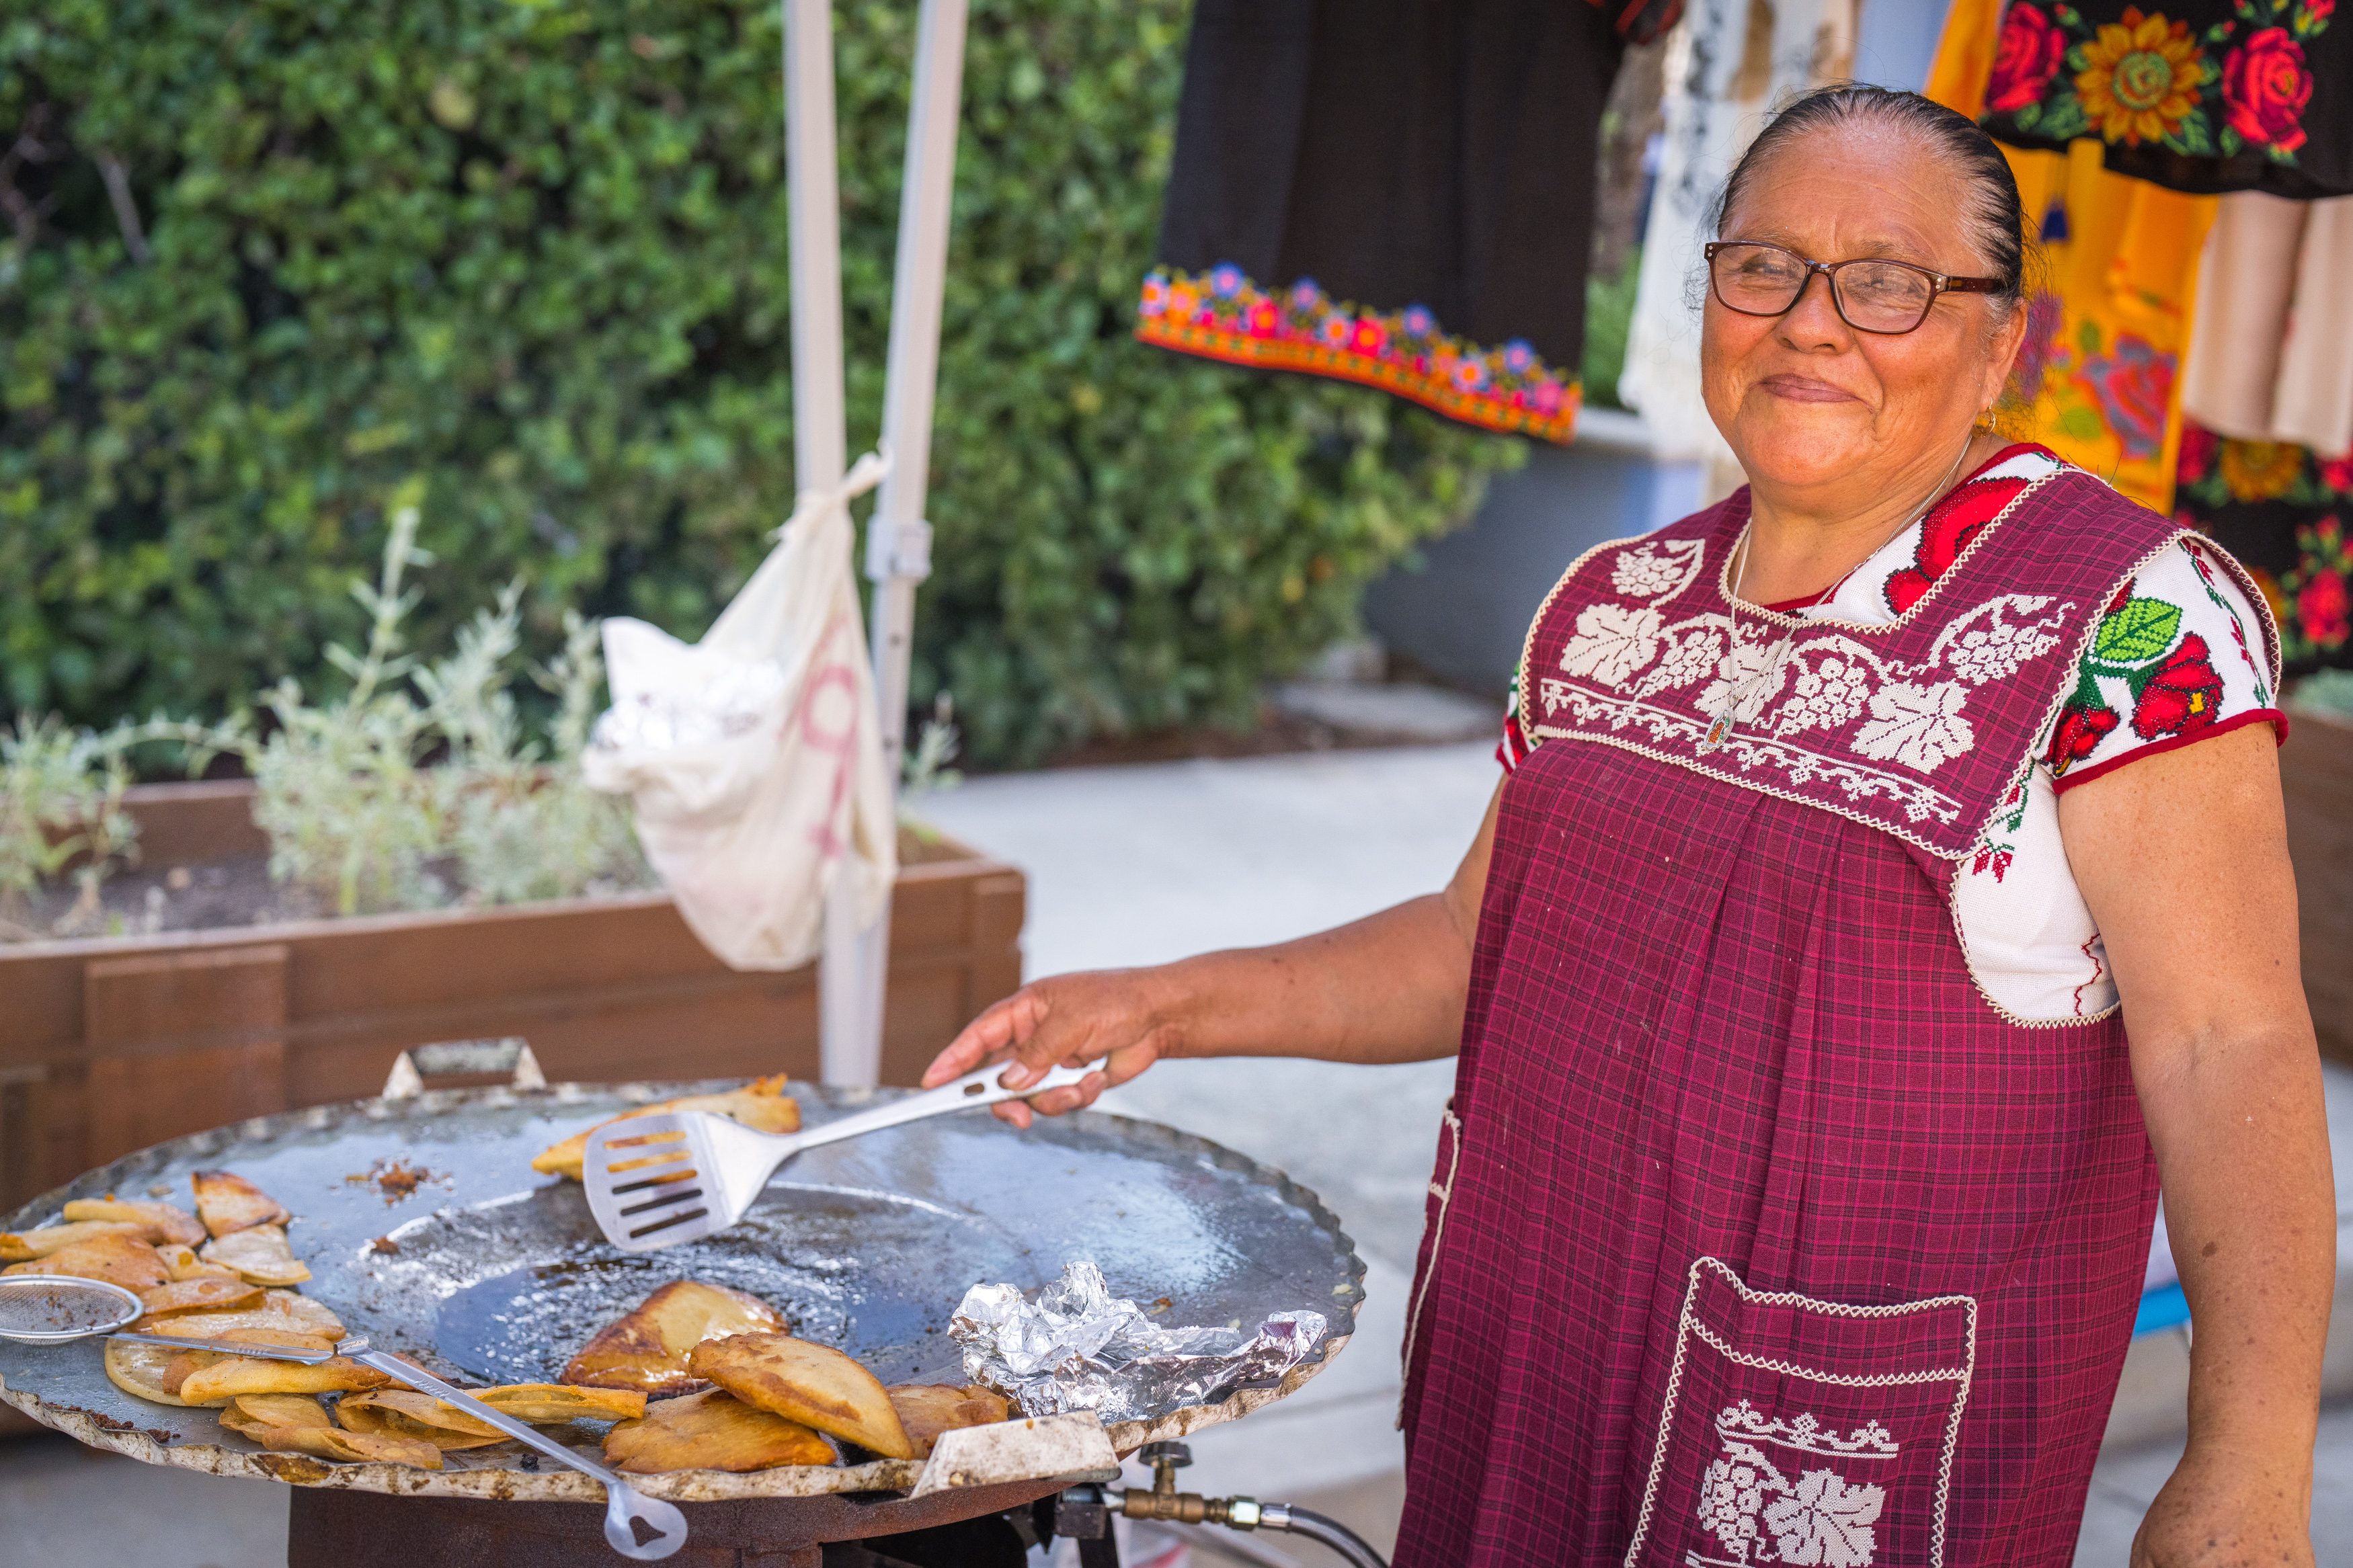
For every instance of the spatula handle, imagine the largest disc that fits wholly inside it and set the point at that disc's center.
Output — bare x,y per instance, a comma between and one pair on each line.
978,1086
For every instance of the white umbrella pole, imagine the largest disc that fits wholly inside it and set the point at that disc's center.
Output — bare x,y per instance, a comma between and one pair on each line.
820,437
898,540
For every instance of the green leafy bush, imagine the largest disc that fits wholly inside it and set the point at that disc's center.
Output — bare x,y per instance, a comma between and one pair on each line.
271,260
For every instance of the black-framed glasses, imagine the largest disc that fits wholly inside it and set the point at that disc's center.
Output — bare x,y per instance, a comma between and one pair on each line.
1871,295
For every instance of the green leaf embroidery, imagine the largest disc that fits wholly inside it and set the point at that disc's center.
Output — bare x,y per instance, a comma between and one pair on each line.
2229,142
2141,631
2192,135
2027,118
2087,336
2081,422
2063,119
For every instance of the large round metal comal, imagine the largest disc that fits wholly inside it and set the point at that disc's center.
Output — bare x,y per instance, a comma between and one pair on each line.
426,1230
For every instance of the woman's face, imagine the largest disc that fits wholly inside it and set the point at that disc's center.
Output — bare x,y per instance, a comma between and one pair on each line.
1805,400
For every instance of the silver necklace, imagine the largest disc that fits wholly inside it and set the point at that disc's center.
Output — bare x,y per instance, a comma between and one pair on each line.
1720,726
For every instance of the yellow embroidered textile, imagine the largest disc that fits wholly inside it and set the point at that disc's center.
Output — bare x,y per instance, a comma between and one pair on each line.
2099,377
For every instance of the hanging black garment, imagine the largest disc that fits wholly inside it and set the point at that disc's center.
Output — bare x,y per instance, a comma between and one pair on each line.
1397,192
2203,96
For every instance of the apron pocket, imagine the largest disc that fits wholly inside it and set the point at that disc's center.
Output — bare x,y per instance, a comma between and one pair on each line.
1805,1432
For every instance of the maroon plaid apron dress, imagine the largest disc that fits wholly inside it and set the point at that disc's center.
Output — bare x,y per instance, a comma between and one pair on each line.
1758,1233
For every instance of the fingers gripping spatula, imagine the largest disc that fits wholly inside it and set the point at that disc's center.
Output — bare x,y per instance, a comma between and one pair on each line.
657,1181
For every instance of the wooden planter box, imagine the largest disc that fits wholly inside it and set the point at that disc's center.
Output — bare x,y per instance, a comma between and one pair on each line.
2316,776
108,1045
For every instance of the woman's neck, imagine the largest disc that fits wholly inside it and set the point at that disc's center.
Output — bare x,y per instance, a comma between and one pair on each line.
1802,542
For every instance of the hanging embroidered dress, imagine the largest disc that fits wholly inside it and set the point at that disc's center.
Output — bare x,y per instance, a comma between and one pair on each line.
1393,193
1776,1217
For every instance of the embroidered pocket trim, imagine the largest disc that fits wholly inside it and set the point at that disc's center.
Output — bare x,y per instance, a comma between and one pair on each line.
1444,1194
1805,1434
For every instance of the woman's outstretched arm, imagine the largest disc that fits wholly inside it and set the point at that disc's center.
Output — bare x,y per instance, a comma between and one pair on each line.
1387,988
2183,860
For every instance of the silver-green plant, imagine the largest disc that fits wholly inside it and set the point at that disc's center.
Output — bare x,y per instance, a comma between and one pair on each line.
60,800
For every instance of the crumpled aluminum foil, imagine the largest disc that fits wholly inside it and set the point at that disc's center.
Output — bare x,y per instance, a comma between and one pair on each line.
1079,1347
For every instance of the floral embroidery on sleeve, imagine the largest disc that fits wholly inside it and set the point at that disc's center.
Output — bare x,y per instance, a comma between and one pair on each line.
2151,673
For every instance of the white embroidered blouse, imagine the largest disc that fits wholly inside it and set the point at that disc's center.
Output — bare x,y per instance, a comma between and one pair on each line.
2176,659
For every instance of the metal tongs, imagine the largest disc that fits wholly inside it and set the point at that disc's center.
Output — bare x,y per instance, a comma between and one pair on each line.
655,1180
624,1504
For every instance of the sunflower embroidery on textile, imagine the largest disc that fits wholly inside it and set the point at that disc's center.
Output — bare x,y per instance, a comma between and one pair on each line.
1760,1514
2240,85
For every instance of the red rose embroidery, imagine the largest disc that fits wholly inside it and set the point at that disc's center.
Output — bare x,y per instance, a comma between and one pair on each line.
2028,54
2132,386
2337,473
2184,694
2080,731
2321,608
2265,88
2198,446
1945,534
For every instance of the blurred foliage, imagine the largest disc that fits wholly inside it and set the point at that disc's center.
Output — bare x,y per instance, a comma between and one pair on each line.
271,260
1609,323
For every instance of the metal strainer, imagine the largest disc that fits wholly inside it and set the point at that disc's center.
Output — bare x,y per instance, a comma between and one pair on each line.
50,1308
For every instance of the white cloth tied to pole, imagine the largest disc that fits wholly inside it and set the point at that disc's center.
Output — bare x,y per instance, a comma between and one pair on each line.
754,756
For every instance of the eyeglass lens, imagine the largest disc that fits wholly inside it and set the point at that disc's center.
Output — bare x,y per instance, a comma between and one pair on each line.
1876,296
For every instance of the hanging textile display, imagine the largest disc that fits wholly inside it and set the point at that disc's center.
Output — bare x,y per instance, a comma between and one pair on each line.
2288,516
1727,64
2271,357
1393,193
2203,96
2099,378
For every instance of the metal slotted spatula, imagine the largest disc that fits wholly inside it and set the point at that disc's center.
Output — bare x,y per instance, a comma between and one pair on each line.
656,1180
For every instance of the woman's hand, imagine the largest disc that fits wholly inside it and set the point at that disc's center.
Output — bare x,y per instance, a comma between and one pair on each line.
1387,988
2230,1509
1122,1014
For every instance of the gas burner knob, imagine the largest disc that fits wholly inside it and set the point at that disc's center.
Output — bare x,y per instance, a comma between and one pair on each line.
1175,1456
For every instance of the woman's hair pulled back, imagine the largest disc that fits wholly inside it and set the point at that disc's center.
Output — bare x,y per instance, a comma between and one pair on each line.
1996,219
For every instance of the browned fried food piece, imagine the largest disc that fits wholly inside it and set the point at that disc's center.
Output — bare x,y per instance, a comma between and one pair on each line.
814,1385
547,1404
330,1442
647,1351
164,1222
227,1203
23,1246
260,1254
214,1378
182,1260
928,1409
282,1311
139,1371
250,1414
711,1431
204,1293
398,1413
762,1105
118,1259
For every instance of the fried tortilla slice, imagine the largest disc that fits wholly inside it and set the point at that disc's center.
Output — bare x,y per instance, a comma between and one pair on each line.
550,1404
814,1385
249,1414
231,1376
398,1413
762,1105
164,1222
711,1431
316,1317
139,1371
204,1293
118,1258
928,1409
259,1254
333,1443
227,1203
282,1313
20,1245
183,1263
647,1351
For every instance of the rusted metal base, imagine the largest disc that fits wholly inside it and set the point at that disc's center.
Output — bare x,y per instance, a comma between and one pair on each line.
337,1529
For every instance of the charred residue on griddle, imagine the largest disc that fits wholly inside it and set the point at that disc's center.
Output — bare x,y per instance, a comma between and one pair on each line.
395,1179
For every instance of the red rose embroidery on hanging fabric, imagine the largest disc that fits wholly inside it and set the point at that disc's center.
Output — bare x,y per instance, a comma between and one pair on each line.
2081,729
2337,473
1945,534
2265,88
2184,694
2030,54
2198,446
2321,608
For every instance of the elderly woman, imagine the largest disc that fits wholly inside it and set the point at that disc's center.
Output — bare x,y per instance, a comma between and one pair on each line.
1888,889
